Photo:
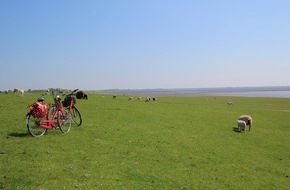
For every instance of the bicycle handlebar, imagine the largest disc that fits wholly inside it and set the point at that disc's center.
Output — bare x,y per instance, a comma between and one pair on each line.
42,99
72,93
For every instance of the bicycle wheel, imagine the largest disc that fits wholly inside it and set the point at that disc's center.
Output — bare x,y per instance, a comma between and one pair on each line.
33,126
76,116
64,121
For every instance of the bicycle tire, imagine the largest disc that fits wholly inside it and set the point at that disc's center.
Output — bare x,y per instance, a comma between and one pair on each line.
33,126
64,121
76,116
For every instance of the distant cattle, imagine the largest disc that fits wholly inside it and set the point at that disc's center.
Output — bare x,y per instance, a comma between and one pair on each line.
81,95
21,92
18,91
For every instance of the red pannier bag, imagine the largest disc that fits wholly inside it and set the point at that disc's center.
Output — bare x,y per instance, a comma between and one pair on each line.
38,109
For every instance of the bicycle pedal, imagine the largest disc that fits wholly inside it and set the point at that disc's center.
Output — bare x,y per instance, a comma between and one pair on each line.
55,127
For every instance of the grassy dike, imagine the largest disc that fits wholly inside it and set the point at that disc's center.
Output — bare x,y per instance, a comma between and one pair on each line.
173,143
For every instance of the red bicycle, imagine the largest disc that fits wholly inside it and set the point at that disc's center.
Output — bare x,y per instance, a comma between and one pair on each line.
38,120
69,105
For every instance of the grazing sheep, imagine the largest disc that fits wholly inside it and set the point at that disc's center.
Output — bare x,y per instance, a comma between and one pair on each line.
21,92
148,99
230,103
46,93
241,125
248,119
114,97
139,98
154,99
131,98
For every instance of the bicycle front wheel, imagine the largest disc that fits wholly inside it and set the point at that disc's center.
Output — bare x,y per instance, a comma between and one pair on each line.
33,126
76,116
64,121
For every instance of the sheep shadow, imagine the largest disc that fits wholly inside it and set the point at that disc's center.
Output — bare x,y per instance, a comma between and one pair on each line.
19,135
236,129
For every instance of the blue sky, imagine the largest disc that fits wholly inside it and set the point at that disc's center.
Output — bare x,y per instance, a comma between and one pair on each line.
138,44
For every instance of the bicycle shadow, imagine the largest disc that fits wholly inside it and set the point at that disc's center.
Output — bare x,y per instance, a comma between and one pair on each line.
19,135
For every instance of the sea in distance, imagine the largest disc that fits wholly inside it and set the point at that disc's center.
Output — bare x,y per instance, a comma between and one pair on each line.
273,92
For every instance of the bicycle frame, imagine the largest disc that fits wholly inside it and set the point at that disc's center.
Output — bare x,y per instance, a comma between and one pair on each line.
49,122
71,105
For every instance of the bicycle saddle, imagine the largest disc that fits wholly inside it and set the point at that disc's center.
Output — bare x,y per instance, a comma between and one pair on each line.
57,97
40,99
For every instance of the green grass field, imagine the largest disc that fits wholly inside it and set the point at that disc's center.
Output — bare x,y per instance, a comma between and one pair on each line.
173,143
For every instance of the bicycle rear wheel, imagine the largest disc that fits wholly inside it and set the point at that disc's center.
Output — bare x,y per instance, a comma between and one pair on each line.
76,116
33,126
64,121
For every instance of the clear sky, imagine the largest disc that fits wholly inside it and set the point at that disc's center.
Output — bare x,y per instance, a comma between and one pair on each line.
136,44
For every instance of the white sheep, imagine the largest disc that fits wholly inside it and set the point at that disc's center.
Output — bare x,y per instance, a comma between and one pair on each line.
241,125
21,92
248,119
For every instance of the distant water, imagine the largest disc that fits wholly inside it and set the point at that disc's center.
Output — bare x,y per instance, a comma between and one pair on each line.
270,94
275,92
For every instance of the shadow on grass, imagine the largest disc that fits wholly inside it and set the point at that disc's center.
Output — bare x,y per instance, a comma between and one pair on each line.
20,135
235,129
